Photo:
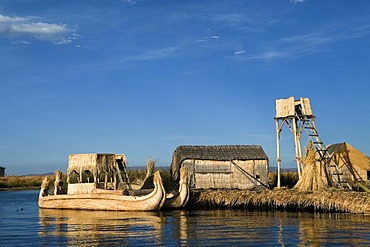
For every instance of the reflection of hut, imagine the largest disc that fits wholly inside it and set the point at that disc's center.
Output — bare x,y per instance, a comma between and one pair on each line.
354,165
234,166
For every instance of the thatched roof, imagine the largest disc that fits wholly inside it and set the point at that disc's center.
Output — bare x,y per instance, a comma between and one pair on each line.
95,163
350,154
220,152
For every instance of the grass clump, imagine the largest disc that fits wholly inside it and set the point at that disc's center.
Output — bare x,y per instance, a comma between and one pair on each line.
287,179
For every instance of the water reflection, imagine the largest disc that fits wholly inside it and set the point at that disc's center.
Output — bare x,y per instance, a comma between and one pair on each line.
344,229
201,228
95,228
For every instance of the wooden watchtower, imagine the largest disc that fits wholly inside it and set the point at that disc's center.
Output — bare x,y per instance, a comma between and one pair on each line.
297,115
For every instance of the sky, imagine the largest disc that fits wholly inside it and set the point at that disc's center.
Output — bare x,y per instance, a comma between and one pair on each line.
142,77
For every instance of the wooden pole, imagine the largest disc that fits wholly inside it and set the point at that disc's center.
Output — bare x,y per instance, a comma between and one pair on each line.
295,133
300,148
278,160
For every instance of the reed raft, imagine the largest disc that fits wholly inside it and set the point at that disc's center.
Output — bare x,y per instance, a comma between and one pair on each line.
322,201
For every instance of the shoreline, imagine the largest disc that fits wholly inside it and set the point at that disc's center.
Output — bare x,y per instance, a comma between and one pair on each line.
20,188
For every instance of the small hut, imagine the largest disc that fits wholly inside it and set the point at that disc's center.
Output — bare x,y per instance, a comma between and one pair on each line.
91,168
224,166
354,165
2,171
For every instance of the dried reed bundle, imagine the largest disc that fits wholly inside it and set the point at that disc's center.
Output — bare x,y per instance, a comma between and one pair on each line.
149,168
311,180
323,201
148,180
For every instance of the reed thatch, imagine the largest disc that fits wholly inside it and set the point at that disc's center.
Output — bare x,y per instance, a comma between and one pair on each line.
311,178
323,201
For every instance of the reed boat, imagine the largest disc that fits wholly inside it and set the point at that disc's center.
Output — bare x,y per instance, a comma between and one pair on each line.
174,200
97,195
181,197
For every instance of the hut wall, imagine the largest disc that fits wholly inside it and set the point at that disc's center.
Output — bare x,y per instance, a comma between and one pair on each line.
341,160
189,164
261,169
212,174
240,180
80,188
360,173
207,174
256,168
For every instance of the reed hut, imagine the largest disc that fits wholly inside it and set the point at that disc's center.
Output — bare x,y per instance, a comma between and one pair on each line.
223,167
354,165
96,166
2,171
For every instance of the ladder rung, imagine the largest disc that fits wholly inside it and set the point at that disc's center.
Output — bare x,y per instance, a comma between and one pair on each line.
337,173
317,142
313,135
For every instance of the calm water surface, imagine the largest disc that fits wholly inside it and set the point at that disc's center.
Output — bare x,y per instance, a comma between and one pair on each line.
22,223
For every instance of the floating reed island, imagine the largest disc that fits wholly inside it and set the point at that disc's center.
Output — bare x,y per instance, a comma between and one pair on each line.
310,193
284,199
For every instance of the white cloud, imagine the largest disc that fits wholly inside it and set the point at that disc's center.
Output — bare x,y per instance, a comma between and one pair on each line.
154,54
230,17
21,42
200,41
205,39
23,27
212,37
303,44
268,55
4,19
132,2
297,1
239,52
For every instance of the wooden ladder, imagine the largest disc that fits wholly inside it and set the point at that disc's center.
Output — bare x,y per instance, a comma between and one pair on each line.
333,173
122,167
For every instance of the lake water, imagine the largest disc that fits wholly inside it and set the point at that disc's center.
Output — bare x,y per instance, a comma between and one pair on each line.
22,223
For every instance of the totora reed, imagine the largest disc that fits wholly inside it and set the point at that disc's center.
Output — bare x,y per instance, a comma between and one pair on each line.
322,201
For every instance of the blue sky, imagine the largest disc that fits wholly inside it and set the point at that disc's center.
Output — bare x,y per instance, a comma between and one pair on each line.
143,77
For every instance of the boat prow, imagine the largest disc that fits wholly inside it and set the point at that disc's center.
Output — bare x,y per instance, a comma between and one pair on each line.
181,198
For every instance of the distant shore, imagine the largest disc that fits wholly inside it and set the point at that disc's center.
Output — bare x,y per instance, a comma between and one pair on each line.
19,188
31,182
